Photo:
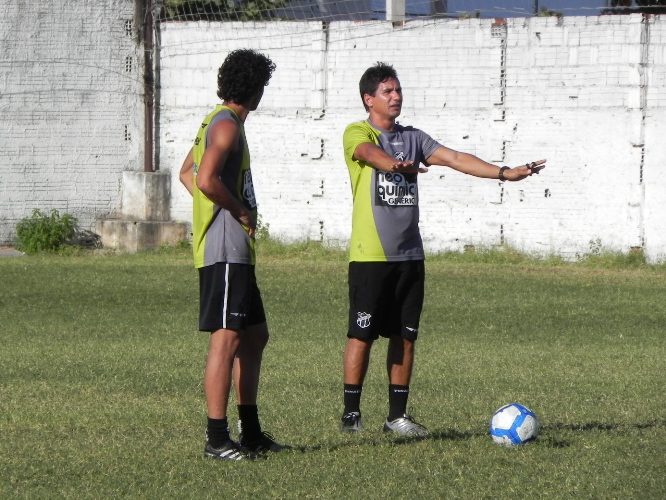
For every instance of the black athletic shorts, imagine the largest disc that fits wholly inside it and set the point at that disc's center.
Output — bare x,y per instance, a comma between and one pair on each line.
229,297
385,298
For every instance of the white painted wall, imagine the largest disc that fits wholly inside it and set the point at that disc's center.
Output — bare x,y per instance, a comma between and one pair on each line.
573,95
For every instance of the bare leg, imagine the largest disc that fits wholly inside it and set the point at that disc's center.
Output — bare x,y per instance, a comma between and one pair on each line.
247,365
222,347
400,360
356,359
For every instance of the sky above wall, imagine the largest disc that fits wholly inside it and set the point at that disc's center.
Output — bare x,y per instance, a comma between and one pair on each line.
519,8
503,8
376,9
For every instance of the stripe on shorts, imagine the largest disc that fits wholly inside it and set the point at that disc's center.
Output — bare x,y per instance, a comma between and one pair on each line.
226,295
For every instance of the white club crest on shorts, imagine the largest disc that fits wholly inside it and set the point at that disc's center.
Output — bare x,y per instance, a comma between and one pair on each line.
363,319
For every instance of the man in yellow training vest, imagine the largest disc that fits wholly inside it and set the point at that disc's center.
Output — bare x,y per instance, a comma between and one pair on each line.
386,270
217,173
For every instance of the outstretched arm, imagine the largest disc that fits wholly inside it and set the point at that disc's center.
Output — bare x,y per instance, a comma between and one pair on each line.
472,165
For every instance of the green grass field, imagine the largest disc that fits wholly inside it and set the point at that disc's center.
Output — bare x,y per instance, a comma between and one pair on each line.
101,366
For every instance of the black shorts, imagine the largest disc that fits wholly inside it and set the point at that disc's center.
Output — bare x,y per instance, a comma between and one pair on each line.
229,297
385,298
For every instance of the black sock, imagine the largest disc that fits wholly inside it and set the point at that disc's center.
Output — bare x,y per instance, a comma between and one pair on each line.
249,417
218,431
352,397
398,395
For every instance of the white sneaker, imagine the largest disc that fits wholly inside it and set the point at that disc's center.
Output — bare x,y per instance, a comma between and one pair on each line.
406,426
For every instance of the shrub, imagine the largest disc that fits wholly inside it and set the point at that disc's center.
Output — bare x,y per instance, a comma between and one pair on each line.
42,232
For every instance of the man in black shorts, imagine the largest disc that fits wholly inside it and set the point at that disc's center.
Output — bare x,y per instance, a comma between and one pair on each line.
386,270
217,173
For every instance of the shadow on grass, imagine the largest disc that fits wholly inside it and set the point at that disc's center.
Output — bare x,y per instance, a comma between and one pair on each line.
555,441
390,440
600,426
546,437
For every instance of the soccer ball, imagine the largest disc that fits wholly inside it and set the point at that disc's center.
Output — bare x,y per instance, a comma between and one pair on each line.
513,425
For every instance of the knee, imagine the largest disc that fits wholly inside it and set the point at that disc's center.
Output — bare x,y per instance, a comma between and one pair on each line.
358,346
224,343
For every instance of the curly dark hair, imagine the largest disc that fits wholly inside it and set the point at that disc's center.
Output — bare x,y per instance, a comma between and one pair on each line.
243,75
373,76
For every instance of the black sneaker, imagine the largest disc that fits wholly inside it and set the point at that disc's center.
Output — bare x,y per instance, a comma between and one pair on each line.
229,450
351,422
262,444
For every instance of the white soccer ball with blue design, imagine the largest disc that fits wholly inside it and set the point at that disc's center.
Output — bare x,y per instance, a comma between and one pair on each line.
513,425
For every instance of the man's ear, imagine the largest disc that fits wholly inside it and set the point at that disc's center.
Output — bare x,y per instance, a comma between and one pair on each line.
367,99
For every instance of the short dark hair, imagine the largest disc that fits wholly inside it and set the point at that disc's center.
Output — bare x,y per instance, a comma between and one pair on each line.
373,76
243,75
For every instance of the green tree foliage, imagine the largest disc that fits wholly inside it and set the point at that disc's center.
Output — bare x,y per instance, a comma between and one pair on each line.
220,10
